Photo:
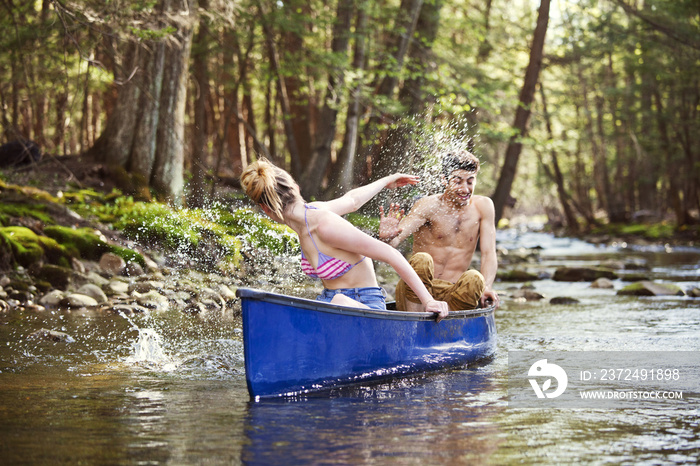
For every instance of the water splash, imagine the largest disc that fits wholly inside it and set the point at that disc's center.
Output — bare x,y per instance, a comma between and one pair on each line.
423,142
148,349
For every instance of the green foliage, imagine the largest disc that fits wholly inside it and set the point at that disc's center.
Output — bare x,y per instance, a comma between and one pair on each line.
150,222
364,222
259,232
654,231
152,34
185,230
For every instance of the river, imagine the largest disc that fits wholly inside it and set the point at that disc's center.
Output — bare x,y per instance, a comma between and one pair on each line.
169,388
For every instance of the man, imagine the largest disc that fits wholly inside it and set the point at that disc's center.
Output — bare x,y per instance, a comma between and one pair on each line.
446,228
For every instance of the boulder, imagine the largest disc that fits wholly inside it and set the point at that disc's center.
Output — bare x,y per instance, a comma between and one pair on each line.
694,292
94,292
112,264
152,300
59,277
117,287
19,152
52,298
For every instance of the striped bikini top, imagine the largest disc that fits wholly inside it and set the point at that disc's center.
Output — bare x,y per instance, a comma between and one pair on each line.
329,268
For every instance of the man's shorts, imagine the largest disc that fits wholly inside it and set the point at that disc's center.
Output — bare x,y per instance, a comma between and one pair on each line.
463,295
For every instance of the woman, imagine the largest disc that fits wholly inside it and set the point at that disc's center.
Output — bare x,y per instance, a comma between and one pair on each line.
331,248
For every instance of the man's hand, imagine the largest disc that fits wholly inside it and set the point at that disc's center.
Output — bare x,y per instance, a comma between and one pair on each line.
389,223
490,297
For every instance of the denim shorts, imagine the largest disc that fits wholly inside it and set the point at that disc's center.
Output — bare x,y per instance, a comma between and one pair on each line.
372,296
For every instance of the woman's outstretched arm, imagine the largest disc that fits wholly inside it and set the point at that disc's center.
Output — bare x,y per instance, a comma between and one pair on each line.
356,198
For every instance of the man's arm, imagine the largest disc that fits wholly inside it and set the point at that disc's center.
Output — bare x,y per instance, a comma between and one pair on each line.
489,258
356,198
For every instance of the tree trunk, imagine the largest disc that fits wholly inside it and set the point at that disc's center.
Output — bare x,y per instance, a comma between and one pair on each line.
613,192
233,129
556,175
327,127
522,114
292,146
291,58
674,192
343,176
599,174
198,191
168,169
485,47
114,145
151,97
143,150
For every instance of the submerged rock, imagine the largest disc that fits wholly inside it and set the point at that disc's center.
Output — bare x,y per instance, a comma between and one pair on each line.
527,295
582,274
51,335
604,283
78,300
516,276
648,288
563,300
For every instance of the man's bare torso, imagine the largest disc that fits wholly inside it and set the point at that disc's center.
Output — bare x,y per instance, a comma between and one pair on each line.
450,235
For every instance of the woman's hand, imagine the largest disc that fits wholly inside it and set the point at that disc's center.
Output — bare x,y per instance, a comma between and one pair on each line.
398,180
438,307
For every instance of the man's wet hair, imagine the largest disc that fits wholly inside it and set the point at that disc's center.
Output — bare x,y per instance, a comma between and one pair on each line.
459,160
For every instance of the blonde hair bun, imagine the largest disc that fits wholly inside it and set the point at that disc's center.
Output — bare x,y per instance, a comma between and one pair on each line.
268,185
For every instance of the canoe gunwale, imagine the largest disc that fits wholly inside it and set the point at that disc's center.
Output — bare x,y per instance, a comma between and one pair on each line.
310,304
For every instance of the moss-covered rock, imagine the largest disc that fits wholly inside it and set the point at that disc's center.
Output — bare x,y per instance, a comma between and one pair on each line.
80,242
129,255
29,248
10,209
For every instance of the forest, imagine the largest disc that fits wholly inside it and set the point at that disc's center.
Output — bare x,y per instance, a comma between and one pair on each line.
586,110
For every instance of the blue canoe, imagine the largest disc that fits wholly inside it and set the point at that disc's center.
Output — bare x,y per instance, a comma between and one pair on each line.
294,345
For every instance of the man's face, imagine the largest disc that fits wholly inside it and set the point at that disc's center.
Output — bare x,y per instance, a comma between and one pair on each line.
460,186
